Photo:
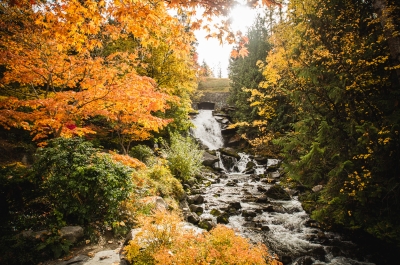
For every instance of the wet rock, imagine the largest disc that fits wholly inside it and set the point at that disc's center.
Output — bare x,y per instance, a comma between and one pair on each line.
274,175
206,224
334,251
197,190
265,228
192,218
215,212
229,152
318,253
196,199
269,208
250,225
223,218
235,205
322,238
286,260
231,183
249,198
261,159
248,213
278,193
272,168
228,161
306,260
223,176
209,159
196,209
250,165
261,188
249,171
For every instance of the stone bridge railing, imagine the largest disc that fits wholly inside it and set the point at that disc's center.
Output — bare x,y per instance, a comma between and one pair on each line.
219,99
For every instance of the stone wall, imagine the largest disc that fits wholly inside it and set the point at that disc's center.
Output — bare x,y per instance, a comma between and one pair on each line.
219,98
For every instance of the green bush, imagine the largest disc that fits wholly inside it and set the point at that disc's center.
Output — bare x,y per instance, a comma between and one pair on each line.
184,157
165,183
141,152
82,184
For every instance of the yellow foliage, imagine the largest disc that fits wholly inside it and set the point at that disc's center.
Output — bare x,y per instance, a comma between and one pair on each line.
163,240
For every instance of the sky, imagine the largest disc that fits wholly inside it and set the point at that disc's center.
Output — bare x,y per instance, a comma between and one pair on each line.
215,54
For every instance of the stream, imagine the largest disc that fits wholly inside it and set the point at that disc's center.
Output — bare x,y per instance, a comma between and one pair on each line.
282,225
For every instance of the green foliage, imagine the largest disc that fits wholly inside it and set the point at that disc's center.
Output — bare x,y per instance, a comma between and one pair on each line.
331,67
184,157
244,72
82,184
141,152
164,182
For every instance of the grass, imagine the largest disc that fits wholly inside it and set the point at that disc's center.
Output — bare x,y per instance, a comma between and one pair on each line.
211,84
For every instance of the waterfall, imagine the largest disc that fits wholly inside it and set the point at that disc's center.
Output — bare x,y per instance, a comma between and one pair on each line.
207,130
281,224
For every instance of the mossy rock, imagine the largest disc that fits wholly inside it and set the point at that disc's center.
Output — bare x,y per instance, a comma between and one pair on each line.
278,193
223,218
230,152
215,212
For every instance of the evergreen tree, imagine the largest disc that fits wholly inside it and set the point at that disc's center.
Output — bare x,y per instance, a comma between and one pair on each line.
331,64
245,74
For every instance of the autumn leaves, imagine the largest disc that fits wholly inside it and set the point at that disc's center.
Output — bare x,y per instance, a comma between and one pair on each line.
60,72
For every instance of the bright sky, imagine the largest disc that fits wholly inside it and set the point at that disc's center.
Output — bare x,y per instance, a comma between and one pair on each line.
212,52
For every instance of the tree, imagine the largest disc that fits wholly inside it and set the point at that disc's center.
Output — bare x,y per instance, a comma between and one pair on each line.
205,70
54,79
245,74
331,64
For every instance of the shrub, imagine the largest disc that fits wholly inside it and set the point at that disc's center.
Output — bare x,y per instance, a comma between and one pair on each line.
163,240
141,152
82,184
161,181
184,157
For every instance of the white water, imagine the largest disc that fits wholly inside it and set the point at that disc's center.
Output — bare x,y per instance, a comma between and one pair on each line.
288,234
207,130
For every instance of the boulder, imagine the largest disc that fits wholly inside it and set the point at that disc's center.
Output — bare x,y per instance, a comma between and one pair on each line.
265,228
209,160
317,188
235,205
223,218
229,152
196,209
249,213
71,233
192,218
206,224
278,193
195,199
215,212
261,159
262,199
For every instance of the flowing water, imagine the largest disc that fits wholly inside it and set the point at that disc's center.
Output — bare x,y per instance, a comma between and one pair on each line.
282,225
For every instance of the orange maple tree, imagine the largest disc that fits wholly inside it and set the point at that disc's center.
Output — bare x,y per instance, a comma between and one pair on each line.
56,76
55,79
